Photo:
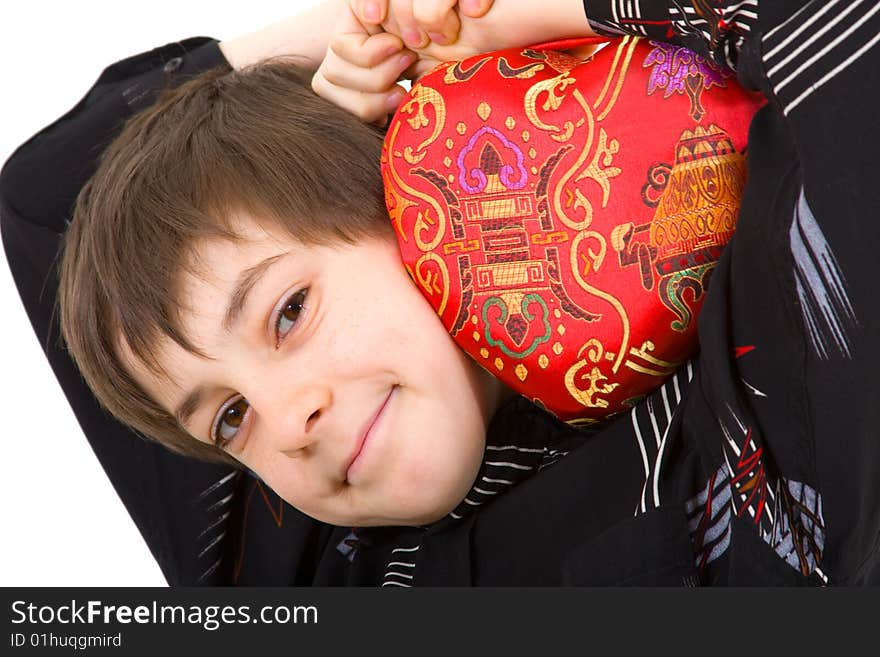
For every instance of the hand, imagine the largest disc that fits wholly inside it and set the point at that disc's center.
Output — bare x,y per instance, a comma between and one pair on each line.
367,53
361,68
420,22
440,30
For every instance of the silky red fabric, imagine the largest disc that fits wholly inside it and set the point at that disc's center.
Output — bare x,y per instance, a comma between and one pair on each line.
564,215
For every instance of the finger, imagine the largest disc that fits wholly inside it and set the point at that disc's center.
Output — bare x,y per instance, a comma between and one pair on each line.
438,19
401,14
392,102
370,12
369,107
475,8
365,51
376,79
349,23
419,68
395,97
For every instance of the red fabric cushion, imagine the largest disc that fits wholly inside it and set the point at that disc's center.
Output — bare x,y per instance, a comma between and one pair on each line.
564,216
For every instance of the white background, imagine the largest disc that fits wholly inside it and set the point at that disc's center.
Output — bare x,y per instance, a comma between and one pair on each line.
62,523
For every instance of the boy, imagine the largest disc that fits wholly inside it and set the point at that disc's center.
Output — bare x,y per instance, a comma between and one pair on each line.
321,369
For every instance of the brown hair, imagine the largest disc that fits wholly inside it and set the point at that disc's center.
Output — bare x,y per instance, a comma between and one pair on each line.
256,141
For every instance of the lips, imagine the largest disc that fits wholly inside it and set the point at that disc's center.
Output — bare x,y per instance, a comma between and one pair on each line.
366,434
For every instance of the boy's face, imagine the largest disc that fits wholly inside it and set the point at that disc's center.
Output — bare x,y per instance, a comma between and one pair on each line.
355,405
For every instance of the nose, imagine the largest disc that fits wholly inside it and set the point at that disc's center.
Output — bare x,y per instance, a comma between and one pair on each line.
290,417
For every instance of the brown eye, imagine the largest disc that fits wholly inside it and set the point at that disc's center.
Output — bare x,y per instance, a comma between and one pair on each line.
227,427
289,314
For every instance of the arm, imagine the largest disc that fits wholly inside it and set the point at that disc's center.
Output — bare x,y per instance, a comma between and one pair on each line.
715,30
38,185
487,26
304,35
67,150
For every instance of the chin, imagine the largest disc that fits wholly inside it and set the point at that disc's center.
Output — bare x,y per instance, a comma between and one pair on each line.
432,487
419,511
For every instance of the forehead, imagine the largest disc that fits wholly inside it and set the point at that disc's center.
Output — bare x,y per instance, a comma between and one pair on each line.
217,262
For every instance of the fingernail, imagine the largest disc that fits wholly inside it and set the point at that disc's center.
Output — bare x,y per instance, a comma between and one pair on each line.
371,11
438,38
407,59
412,37
394,100
469,6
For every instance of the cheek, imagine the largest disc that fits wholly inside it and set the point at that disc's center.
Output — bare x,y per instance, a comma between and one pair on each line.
391,321
434,364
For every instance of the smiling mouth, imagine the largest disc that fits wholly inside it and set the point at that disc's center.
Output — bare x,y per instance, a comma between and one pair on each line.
366,435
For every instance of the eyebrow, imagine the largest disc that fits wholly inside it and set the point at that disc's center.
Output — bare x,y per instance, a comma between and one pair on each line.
243,286
246,282
188,406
